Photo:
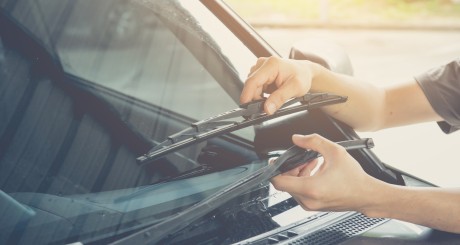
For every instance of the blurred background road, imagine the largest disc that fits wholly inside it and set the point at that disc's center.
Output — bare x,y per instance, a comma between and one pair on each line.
384,50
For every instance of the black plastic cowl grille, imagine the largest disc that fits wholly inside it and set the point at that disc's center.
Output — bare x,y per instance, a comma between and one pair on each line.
339,232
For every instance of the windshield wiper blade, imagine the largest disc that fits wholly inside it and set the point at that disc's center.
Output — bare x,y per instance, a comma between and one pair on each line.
290,159
248,114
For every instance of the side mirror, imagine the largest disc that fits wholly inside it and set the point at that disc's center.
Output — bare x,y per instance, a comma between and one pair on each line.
323,52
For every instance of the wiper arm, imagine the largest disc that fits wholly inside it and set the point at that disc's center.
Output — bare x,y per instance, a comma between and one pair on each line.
251,113
290,159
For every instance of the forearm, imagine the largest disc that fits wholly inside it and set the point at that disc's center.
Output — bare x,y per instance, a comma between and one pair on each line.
364,108
368,108
437,208
371,108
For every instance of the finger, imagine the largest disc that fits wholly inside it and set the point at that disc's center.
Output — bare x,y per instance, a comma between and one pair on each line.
308,168
320,144
285,92
302,170
258,64
270,88
265,74
295,171
258,93
292,184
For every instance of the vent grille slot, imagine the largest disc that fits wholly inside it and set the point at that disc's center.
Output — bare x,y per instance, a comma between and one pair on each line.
339,232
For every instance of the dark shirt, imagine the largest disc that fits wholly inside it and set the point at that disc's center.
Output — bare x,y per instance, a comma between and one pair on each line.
441,86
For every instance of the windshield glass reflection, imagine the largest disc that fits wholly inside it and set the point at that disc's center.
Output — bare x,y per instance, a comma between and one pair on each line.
134,73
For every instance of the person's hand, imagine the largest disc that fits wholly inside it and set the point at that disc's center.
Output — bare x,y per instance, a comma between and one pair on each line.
283,79
340,184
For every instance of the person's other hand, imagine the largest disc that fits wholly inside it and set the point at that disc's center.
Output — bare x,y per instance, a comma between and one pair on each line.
340,184
283,79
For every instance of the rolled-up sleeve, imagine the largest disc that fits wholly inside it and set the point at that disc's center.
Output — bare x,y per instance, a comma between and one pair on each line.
441,86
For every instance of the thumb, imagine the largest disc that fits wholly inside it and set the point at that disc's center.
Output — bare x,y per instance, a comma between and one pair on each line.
318,143
278,98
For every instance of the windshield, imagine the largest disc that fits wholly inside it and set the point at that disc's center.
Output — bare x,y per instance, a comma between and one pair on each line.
88,86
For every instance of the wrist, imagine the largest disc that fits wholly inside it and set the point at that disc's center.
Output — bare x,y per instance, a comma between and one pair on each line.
315,70
378,199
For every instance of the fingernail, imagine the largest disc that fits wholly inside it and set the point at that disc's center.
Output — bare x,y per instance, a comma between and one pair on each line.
271,108
296,136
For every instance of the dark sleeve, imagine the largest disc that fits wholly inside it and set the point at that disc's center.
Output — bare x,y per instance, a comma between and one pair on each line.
441,86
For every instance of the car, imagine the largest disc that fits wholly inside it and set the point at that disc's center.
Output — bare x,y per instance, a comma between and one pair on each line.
88,88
